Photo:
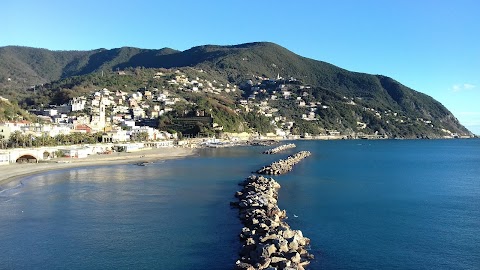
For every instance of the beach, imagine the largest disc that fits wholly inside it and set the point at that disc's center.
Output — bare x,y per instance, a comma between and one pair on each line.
14,171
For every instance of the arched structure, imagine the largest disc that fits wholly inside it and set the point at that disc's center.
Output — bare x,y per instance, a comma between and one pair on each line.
27,159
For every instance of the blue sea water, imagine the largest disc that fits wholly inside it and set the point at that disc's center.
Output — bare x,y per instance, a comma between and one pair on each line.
392,204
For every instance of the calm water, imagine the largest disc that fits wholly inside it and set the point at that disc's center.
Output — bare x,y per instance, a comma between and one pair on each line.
364,204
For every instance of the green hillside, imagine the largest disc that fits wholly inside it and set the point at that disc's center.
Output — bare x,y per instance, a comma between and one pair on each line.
12,112
402,109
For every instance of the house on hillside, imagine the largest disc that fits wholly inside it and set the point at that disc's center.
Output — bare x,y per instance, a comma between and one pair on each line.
77,103
83,128
7,128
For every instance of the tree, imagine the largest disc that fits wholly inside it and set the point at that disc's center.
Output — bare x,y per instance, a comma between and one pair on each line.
3,143
141,136
260,123
16,139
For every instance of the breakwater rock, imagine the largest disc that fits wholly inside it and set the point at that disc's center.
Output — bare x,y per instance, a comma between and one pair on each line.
262,142
279,148
284,165
268,242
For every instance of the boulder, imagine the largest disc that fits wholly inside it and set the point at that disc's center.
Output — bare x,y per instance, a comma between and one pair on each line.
293,245
250,241
276,260
269,237
304,263
243,266
300,240
282,245
264,264
284,264
287,234
243,204
294,257
262,252
270,249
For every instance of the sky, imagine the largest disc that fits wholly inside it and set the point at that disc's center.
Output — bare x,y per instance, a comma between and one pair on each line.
431,46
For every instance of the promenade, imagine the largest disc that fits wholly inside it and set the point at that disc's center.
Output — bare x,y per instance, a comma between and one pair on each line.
12,171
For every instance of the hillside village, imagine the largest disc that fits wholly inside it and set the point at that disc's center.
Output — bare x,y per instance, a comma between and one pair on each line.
118,116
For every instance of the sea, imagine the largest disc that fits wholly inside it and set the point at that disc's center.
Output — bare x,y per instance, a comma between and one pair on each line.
365,204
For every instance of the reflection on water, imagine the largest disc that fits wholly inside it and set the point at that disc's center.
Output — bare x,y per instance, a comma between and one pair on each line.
369,205
122,216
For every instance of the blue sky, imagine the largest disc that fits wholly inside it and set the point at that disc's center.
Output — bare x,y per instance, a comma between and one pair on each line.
430,46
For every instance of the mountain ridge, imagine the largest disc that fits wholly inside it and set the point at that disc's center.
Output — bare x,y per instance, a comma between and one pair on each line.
26,66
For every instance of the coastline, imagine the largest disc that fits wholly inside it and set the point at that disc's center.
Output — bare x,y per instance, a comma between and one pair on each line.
12,172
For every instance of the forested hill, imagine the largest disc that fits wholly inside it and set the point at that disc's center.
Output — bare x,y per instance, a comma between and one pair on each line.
22,67
29,66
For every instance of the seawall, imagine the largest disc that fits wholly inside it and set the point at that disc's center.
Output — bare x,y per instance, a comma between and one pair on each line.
280,148
268,242
284,165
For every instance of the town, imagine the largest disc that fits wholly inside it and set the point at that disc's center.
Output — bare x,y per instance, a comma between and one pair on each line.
109,120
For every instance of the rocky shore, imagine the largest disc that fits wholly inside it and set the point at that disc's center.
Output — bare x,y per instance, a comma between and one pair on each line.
268,242
280,148
284,165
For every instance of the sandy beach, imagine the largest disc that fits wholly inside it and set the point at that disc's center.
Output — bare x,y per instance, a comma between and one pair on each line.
14,171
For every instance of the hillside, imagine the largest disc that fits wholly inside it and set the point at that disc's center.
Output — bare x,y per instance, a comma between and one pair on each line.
24,67
245,65
12,112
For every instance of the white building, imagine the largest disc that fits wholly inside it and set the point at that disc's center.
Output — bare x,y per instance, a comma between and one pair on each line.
138,113
75,152
153,134
116,136
7,128
4,158
78,103
50,112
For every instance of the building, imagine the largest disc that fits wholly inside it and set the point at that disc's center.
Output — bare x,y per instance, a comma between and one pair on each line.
78,104
129,147
115,136
4,158
75,152
83,128
7,128
98,121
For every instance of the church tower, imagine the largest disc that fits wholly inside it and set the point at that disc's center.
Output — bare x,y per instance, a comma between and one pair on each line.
102,116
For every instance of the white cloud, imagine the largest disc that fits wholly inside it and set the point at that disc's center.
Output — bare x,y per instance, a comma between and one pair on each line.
462,87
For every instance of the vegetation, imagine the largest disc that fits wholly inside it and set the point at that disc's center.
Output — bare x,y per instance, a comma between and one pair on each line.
18,139
10,111
259,123
37,77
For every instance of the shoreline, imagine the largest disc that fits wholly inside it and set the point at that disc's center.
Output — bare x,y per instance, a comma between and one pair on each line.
14,171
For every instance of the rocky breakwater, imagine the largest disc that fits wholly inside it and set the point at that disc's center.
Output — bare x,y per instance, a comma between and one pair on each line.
268,242
284,165
280,148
